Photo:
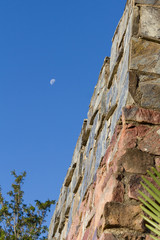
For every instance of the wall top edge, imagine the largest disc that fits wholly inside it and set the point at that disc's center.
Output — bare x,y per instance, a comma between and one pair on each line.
128,3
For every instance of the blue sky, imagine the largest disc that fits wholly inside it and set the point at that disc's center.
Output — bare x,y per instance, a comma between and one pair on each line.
39,122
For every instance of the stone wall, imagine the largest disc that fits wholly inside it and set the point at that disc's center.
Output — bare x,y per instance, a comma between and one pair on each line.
120,140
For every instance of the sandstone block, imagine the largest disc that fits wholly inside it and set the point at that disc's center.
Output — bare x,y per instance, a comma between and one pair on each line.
69,175
134,186
122,215
145,90
107,156
68,203
142,130
150,95
113,191
145,56
56,224
128,139
151,142
133,83
132,237
149,22
90,232
99,90
133,113
122,102
118,193
77,184
107,236
75,228
117,46
150,2
95,235
108,189
86,235
135,24
136,161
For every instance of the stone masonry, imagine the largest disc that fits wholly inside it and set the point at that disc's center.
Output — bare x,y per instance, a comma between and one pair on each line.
120,140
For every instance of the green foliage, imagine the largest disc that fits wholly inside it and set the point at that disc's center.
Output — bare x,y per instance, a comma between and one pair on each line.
151,202
18,221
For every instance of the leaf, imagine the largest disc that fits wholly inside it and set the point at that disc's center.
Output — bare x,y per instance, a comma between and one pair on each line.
153,229
152,222
155,205
153,177
151,207
154,189
151,193
153,237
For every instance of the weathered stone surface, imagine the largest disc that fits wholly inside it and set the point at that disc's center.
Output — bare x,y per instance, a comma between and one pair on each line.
92,135
101,146
111,192
76,203
118,214
151,142
145,90
110,188
86,235
135,24
75,227
127,142
128,139
123,94
136,161
132,237
107,236
118,39
69,175
149,22
150,94
99,90
145,56
77,185
133,83
150,2
134,186
88,174
132,113
68,205
147,78
85,132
